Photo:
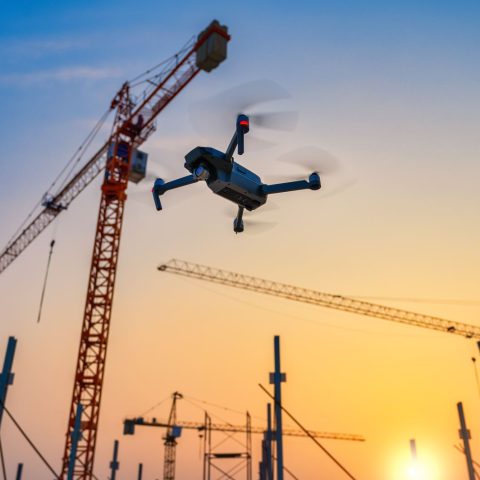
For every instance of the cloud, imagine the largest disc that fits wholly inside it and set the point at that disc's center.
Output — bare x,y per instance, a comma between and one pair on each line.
66,74
35,48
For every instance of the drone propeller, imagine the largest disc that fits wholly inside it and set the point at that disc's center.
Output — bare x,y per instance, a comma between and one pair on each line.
315,159
312,159
284,121
216,114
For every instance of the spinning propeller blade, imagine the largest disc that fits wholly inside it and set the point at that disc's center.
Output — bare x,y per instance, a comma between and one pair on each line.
216,114
315,159
283,121
312,159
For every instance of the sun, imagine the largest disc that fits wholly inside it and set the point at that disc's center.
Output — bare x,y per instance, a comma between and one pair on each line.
417,472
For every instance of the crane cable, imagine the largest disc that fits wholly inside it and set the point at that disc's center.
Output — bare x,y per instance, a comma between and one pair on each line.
216,405
475,369
154,406
476,465
337,462
297,317
439,301
136,80
228,435
287,470
52,243
76,156
2,459
30,442
192,400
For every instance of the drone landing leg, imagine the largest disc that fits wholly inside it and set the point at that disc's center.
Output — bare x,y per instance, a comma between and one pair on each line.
238,222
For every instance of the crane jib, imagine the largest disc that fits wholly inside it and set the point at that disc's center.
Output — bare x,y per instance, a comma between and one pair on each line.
337,302
154,102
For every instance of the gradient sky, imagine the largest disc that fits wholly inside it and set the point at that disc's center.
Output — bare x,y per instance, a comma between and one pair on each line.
392,90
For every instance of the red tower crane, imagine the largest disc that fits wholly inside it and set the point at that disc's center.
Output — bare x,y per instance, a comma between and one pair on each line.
120,161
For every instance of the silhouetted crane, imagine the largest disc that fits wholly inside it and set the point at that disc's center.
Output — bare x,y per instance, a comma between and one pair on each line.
313,297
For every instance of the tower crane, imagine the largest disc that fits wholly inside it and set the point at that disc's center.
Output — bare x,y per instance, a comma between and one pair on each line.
313,297
174,429
173,432
130,423
120,161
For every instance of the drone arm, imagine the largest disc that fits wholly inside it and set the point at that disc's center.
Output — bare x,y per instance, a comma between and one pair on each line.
313,183
160,187
242,127
231,147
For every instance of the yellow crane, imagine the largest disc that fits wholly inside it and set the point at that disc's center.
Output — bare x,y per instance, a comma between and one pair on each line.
174,429
313,297
130,423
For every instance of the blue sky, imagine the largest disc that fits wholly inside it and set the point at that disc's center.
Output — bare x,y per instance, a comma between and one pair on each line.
422,49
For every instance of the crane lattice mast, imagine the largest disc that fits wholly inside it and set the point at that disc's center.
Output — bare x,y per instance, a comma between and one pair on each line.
173,432
313,297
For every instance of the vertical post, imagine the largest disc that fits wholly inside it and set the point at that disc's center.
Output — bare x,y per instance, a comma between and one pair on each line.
414,463
261,464
6,377
114,465
277,378
249,446
140,471
465,436
269,464
207,447
413,450
19,471
76,437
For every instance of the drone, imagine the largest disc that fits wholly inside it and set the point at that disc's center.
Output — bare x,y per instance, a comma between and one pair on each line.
229,179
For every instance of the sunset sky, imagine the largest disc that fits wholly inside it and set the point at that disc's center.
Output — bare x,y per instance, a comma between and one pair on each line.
391,89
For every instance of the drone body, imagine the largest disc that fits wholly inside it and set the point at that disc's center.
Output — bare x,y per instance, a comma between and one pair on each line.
229,179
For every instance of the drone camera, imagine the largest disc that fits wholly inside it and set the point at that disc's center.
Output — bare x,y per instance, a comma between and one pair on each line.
201,173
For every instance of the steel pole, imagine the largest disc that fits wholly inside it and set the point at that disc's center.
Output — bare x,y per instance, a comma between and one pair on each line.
76,437
465,436
114,465
6,377
277,378
268,441
19,471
